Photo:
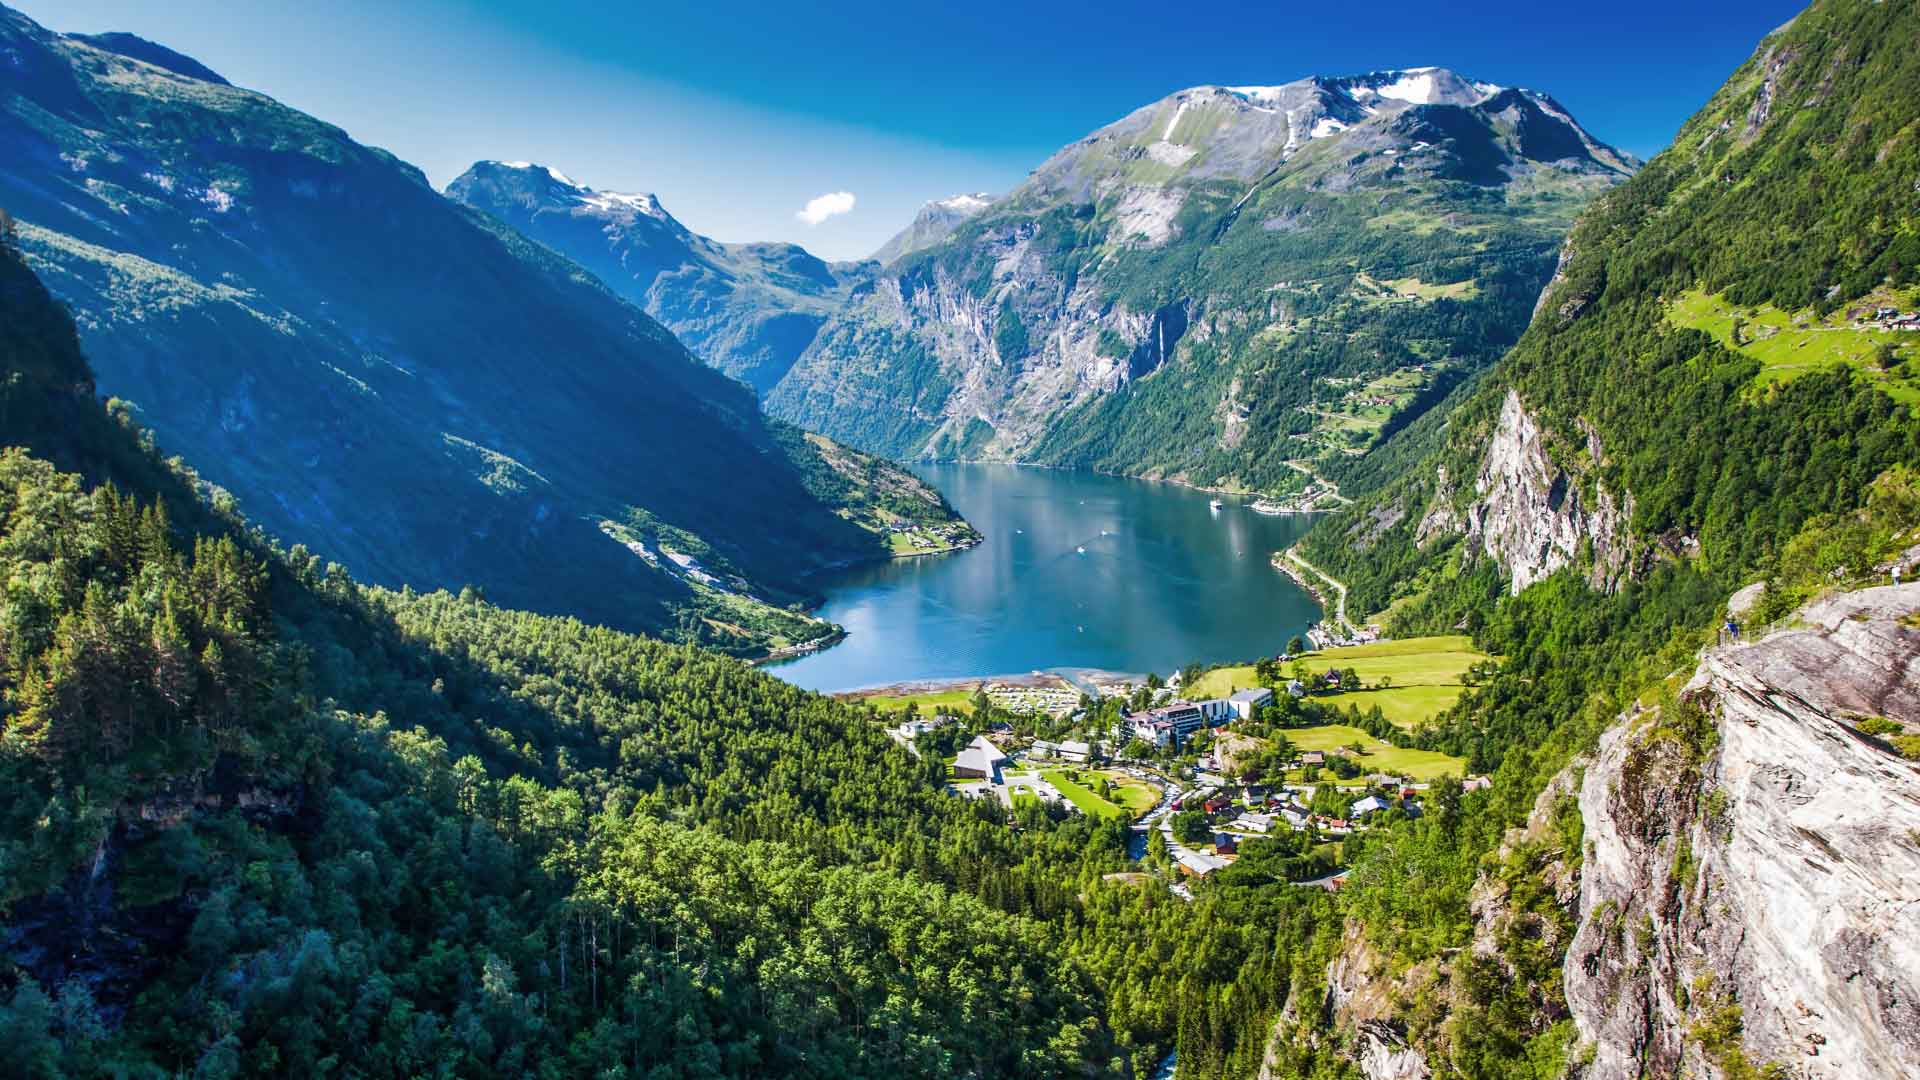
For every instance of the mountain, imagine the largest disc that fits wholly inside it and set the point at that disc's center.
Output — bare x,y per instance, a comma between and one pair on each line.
262,820
1679,510
748,309
935,221
1232,286
409,386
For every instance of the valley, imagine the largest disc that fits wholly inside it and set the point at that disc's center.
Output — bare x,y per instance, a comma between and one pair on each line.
1329,576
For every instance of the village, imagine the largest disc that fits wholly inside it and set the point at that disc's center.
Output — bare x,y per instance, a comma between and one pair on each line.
1204,767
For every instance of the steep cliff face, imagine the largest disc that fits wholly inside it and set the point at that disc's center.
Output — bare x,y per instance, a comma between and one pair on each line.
1530,516
1753,895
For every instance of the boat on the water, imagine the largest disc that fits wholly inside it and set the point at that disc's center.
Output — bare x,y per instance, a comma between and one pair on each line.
1215,504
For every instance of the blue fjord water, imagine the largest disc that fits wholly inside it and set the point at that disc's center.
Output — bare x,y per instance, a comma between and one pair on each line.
1078,570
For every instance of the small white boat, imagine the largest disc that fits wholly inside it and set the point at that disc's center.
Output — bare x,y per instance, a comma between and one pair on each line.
1215,504
1079,551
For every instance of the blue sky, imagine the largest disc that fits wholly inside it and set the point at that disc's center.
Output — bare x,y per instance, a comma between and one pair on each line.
738,113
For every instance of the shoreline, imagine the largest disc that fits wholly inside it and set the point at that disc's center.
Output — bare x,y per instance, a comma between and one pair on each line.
1303,574
1245,493
1092,677
1100,680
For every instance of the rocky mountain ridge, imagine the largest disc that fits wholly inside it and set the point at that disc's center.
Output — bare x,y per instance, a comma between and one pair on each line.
1744,896
934,222
1217,284
747,309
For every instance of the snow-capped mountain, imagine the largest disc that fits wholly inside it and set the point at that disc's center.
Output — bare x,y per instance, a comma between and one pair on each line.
1477,130
1390,228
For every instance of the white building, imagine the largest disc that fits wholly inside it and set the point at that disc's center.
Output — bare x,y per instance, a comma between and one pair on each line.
1244,702
1215,710
1077,752
980,760
1368,805
1163,726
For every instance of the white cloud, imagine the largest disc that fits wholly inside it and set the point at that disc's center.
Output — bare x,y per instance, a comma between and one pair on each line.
822,207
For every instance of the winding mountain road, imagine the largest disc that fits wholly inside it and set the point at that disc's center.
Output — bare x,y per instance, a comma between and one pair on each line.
1340,590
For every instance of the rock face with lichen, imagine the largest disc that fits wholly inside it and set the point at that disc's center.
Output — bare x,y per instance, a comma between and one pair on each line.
1751,887
1529,514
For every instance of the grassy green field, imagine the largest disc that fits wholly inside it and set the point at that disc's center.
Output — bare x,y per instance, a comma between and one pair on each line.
955,701
1135,794
1403,706
1089,803
1377,756
1425,672
1790,344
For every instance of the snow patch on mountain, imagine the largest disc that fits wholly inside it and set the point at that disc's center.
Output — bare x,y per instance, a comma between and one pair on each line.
1259,93
611,201
548,169
966,204
1410,87
1173,122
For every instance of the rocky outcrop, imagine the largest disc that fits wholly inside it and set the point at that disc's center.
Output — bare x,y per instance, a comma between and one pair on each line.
1751,890
1361,997
1530,515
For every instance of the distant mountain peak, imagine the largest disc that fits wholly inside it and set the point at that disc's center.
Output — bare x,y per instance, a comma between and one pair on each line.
543,187
1450,124
935,221
965,204
1411,86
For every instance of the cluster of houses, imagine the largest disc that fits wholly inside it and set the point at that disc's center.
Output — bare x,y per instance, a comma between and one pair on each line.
1891,318
1237,818
933,537
1323,636
1054,701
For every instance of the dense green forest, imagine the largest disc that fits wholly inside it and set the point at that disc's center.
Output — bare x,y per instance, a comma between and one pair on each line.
264,821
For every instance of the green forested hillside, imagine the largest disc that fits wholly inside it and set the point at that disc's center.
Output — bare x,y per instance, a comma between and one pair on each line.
413,388
1797,186
263,821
